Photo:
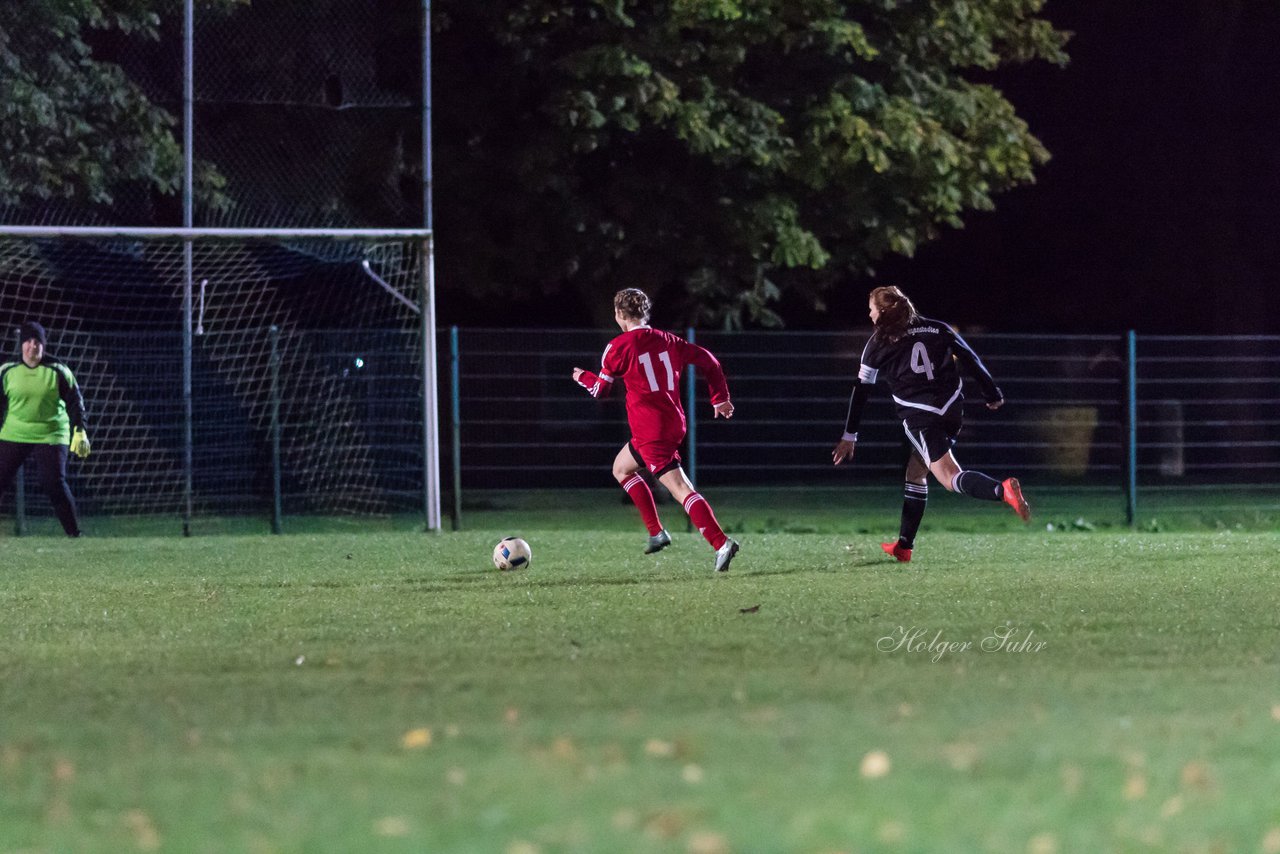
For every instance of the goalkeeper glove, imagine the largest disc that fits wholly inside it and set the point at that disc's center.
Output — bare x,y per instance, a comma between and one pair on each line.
80,443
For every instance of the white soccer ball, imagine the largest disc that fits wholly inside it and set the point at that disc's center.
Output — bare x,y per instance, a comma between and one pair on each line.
512,553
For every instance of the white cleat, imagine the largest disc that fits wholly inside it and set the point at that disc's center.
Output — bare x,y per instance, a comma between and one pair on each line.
725,554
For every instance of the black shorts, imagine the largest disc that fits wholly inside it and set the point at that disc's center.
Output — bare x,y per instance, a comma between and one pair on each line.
932,436
666,459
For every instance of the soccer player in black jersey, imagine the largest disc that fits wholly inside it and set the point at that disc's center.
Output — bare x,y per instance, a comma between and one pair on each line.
919,359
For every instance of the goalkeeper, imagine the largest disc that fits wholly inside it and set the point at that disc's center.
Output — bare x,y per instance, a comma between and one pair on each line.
41,414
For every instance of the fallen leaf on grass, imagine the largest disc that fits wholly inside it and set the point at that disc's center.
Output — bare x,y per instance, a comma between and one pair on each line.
391,825
415,738
875,765
1195,775
1135,787
707,842
143,830
658,747
1044,843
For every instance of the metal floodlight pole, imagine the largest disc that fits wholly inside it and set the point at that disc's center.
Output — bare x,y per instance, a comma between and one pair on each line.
188,204
430,386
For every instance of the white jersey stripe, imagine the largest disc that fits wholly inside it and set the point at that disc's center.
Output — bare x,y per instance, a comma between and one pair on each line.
927,408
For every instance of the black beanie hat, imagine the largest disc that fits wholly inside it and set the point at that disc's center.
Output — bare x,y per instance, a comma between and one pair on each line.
31,329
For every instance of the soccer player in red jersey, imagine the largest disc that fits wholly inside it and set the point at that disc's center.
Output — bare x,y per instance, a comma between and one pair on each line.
919,359
649,362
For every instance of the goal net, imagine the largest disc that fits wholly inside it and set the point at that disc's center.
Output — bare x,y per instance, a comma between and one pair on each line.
320,336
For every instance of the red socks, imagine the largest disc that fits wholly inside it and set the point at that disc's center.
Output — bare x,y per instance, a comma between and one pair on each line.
704,519
642,497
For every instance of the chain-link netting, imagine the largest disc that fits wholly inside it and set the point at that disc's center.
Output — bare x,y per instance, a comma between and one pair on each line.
321,331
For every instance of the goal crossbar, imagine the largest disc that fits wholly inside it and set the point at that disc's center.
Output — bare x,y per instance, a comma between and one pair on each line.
146,233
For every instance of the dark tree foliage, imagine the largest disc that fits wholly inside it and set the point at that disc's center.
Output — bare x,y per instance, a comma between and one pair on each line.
722,154
729,156
73,127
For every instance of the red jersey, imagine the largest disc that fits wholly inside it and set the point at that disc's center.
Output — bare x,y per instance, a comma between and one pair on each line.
650,362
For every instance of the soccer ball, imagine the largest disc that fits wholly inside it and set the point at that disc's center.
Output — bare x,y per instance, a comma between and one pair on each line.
511,553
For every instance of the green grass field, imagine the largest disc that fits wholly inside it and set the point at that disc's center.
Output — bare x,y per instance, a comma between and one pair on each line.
379,689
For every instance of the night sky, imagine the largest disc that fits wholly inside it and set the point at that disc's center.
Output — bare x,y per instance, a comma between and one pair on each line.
1159,209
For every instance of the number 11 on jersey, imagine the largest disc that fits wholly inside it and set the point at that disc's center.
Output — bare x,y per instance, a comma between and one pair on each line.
647,363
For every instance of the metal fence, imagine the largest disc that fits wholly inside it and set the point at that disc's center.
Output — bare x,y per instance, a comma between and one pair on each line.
1140,416
1174,422
296,422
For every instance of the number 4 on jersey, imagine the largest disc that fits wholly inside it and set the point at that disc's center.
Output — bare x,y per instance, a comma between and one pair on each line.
919,360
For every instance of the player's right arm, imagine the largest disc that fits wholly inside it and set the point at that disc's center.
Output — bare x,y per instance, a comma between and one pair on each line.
713,372
4,394
857,401
867,376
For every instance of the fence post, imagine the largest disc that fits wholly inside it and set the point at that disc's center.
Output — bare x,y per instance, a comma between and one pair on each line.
19,503
455,422
1131,428
277,503
19,486
691,418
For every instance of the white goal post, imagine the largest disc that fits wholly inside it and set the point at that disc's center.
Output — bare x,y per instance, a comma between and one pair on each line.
87,278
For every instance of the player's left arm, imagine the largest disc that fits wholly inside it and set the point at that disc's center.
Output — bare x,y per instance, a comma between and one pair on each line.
69,391
73,400
966,356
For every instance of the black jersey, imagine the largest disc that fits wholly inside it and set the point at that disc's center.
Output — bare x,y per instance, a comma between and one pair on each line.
922,370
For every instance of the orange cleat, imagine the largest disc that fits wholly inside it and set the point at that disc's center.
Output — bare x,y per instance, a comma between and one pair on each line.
1013,497
899,554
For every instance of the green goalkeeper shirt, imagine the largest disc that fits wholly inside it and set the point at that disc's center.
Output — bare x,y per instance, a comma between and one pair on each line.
40,405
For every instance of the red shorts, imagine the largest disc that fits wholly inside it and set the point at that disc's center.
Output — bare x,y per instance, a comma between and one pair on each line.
659,456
